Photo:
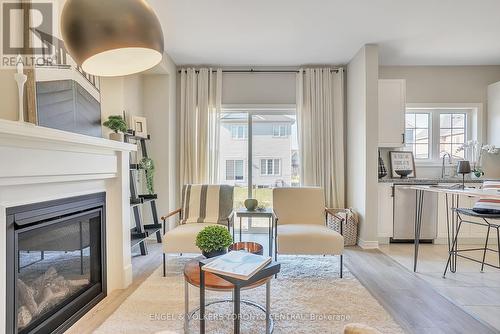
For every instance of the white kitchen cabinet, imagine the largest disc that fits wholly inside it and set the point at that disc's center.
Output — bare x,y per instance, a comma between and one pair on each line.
494,114
385,210
391,112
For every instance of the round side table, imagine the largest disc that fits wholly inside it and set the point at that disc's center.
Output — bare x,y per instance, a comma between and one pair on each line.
216,283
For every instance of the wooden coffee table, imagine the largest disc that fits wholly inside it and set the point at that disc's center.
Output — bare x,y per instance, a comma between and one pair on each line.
194,276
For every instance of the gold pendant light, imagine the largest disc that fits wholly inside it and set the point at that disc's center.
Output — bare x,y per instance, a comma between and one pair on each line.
112,37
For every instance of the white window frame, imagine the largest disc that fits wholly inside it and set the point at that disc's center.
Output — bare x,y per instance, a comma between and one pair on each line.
280,127
262,173
430,132
475,127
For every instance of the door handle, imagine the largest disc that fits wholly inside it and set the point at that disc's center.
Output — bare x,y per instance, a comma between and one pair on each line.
403,138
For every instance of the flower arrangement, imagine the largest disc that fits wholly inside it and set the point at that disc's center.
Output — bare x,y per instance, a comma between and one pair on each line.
474,151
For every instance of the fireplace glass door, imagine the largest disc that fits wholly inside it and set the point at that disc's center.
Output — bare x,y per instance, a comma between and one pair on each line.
57,262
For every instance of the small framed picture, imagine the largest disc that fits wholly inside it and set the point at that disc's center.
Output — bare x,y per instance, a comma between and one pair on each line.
139,125
402,164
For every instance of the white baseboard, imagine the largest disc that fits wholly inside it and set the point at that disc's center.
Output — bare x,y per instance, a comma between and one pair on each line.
467,241
368,244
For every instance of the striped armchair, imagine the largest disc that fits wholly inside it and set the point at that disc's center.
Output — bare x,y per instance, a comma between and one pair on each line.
202,205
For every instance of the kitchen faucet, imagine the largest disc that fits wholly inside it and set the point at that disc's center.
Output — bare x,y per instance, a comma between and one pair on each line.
442,166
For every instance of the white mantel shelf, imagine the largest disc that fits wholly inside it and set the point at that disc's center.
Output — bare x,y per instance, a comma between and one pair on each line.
33,154
17,133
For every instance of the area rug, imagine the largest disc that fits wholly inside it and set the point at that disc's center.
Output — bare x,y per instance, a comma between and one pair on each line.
307,297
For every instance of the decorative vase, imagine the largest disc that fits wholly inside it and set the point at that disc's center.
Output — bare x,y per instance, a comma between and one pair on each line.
116,136
251,204
214,253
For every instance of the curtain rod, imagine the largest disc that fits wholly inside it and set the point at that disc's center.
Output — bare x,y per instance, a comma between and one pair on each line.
264,71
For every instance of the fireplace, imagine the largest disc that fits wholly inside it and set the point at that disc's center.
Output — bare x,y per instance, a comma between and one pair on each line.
56,268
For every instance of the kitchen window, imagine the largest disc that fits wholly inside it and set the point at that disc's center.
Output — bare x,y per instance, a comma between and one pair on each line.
431,133
279,131
234,170
417,134
270,167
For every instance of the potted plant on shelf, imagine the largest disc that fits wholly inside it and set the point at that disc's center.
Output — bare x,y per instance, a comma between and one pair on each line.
149,168
213,240
118,125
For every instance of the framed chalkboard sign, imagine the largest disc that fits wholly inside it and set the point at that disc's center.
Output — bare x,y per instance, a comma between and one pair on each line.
402,161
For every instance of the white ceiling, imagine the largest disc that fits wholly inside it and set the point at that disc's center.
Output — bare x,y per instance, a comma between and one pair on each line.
299,32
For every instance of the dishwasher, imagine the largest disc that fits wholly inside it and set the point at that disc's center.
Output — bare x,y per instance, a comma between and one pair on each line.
404,201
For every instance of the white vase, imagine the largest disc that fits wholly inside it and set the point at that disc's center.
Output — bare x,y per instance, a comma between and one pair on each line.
116,136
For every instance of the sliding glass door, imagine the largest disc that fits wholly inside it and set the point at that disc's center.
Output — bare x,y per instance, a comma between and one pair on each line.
261,147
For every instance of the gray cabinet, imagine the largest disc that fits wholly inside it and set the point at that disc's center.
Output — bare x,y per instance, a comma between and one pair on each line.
65,105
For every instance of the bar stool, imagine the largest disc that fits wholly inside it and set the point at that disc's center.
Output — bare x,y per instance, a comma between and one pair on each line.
461,217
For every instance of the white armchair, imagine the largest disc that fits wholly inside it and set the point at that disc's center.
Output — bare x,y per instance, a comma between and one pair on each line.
300,218
202,205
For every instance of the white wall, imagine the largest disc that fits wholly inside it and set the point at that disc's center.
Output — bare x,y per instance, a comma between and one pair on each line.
119,94
449,84
159,107
8,95
362,139
494,114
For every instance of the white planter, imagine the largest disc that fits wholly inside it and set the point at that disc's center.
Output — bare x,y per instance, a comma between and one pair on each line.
116,136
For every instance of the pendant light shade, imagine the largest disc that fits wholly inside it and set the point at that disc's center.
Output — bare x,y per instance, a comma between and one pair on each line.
112,37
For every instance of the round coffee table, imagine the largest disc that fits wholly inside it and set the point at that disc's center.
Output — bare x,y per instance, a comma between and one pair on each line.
216,283
247,246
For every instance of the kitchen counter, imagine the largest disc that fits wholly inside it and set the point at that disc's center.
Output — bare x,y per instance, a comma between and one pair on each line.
432,180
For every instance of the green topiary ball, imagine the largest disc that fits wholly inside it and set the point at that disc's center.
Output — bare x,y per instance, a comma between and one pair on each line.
213,238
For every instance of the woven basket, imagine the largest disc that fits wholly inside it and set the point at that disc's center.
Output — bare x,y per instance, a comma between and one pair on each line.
349,228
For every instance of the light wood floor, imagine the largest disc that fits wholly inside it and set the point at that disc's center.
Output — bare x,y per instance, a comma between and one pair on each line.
477,293
411,300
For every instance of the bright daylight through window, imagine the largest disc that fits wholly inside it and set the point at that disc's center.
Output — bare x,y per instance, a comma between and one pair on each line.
433,133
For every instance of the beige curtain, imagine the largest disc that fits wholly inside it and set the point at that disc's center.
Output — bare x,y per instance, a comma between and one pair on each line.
320,119
200,107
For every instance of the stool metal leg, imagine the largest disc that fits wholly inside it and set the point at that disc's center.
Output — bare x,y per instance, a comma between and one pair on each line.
485,247
452,249
498,245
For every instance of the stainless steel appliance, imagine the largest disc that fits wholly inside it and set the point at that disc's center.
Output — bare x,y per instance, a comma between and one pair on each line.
404,214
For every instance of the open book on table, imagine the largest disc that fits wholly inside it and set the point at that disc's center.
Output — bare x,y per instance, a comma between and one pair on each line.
238,264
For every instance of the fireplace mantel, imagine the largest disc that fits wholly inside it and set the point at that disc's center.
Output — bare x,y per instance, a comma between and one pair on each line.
41,164
58,156
20,133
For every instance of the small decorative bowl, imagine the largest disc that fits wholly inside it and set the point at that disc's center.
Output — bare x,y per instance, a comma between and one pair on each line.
403,173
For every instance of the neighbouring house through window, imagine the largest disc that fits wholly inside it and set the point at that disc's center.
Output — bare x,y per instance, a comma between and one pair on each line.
280,131
431,133
239,131
234,170
270,167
